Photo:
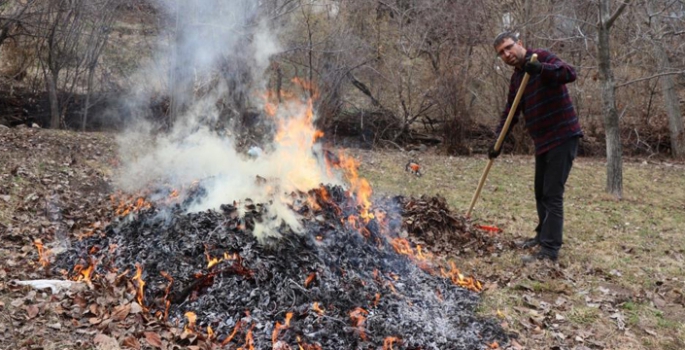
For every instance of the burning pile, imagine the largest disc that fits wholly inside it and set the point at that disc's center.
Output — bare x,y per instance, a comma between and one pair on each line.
342,284
300,265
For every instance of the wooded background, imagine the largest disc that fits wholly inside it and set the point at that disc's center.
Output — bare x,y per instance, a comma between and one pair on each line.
392,72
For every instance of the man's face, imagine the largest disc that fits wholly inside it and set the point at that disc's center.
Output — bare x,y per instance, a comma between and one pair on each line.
512,53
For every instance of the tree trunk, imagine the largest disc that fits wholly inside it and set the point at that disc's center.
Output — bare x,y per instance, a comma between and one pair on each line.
675,118
668,87
614,182
89,90
51,81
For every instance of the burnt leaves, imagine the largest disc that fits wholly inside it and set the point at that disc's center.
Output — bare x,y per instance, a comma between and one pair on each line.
251,284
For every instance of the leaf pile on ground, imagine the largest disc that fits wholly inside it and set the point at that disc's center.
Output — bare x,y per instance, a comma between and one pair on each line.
55,189
432,224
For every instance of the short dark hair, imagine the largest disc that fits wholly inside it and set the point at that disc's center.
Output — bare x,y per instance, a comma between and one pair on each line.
504,36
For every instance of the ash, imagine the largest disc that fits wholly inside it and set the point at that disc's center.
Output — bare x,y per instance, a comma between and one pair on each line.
366,292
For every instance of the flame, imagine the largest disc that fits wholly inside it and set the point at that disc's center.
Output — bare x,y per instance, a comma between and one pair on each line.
358,185
84,274
271,109
316,308
402,246
210,333
279,327
493,345
125,204
304,346
310,279
167,302
211,262
43,255
249,341
457,278
387,343
377,299
358,317
192,318
140,292
228,339
308,86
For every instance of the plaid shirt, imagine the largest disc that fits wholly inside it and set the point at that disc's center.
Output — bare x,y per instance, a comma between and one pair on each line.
546,105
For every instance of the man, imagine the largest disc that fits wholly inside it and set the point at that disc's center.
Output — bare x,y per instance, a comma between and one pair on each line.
553,125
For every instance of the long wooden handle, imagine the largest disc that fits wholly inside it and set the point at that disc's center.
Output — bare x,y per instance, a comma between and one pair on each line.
502,135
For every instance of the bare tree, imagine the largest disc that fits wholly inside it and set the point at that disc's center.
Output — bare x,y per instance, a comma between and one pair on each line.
100,27
11,15
62,23
614,182
658,35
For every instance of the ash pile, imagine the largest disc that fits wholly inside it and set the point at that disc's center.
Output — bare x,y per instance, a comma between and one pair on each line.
343,282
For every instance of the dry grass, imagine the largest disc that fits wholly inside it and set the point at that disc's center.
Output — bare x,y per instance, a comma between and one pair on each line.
620,280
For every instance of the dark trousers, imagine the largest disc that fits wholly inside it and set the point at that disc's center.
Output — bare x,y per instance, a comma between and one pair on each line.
551,172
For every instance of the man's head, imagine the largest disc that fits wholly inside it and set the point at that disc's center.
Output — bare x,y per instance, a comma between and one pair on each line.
510,49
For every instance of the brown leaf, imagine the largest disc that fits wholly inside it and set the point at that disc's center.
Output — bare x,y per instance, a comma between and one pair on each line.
121,312
136,308
80,301
105,342
32,311
17,302
153,339
516,345
131,342
93,308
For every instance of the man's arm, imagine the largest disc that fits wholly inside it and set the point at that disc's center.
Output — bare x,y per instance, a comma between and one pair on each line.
554,70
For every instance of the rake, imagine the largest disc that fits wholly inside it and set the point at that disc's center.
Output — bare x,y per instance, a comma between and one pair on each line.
502,134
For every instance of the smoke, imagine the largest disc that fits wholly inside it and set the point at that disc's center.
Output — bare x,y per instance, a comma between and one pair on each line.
218,49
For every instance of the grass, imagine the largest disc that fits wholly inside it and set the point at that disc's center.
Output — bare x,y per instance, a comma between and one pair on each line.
621,259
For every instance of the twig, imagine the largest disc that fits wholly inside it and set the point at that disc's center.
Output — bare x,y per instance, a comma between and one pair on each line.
394,144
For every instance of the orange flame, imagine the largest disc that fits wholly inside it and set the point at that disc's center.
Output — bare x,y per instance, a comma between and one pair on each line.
304,346
358,317
140,292
358,185
249,341
84,274
192,318
271,109
228,339
43,254
210,333
387,343
211,262
126,204
279,327
316,308
310,279
167,302
458,279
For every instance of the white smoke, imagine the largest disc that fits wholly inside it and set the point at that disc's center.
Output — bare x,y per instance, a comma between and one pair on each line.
213,31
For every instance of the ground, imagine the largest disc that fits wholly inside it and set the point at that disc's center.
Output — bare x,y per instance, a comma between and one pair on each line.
618,285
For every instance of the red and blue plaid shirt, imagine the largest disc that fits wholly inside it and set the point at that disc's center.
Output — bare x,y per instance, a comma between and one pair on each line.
546,105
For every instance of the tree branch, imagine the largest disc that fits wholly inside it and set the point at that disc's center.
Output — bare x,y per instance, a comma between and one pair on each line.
650,77
618,12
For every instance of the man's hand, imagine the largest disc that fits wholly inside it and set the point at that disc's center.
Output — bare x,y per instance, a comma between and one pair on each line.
492,154
533,68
